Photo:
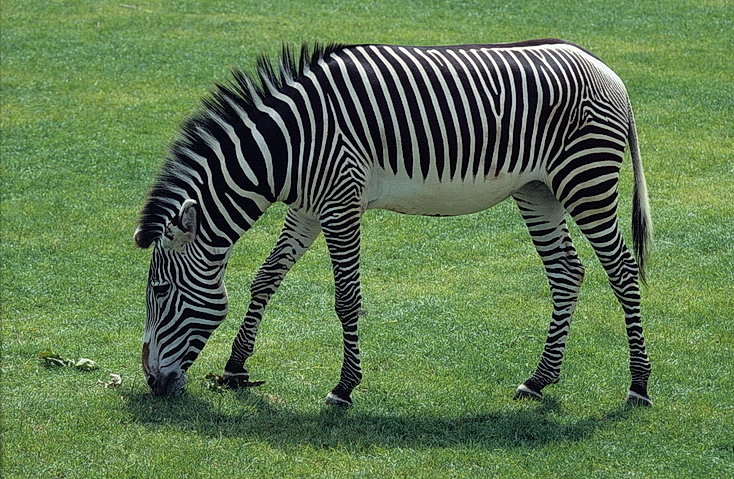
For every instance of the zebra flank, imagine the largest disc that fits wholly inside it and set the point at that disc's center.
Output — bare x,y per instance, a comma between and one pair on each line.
439,131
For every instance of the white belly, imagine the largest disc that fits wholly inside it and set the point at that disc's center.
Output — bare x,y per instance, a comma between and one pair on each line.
448,198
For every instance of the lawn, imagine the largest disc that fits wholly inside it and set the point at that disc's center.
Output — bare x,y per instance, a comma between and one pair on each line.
457,308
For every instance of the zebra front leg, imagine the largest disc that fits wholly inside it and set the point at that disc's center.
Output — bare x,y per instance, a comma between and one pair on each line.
342,238
297,235
564,280
545,219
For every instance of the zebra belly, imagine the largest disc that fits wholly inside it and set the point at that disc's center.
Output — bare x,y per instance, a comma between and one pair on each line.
415,196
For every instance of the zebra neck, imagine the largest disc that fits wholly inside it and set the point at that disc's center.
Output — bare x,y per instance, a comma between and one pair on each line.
226,217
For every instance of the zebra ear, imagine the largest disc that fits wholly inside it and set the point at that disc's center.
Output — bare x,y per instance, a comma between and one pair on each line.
188,217
182,229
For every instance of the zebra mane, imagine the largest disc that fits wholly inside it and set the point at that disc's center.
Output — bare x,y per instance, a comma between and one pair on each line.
171,187
251,89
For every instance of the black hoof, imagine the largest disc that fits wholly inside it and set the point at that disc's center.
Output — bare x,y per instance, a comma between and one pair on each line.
524,392
334,400
339,397
637,399
237,381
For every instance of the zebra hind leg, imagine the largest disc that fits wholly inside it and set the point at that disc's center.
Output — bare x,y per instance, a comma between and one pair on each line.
597,219
296,237
623,278
545,219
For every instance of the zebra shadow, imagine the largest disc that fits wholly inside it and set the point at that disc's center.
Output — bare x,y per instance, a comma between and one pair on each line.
525,425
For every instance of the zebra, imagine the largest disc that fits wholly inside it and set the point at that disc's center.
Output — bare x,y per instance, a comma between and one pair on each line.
438,131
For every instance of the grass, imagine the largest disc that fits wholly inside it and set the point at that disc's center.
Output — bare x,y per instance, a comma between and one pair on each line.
92,94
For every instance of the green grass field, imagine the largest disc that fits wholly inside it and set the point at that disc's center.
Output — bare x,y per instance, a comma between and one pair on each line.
92,95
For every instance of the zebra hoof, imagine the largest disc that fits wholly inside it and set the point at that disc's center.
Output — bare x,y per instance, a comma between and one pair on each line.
637,399
524,392
334,400
238,381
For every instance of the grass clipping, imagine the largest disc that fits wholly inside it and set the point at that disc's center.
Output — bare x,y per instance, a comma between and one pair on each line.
53,359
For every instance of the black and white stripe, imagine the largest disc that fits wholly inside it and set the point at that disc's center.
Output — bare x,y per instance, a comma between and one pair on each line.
420,130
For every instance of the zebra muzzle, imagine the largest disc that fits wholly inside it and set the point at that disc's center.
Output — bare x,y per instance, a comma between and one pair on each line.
167,384
161,383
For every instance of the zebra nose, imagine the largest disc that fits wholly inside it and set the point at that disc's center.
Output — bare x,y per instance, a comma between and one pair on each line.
165,384
153,383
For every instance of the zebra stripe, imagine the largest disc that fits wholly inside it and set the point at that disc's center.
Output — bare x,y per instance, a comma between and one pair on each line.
423,130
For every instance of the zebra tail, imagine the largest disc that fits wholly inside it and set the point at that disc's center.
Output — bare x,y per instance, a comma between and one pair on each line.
641,219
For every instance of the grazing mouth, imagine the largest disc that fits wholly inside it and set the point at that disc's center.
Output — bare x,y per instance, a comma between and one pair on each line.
166,385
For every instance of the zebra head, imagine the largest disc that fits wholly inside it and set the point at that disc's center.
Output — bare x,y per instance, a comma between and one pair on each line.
186,300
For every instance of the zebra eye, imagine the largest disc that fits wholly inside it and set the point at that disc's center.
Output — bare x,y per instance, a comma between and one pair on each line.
161,290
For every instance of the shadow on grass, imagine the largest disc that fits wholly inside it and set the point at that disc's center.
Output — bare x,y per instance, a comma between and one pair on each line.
529,425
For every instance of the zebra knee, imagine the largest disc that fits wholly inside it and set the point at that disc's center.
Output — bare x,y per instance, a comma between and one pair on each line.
565,284
573,267
575,272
